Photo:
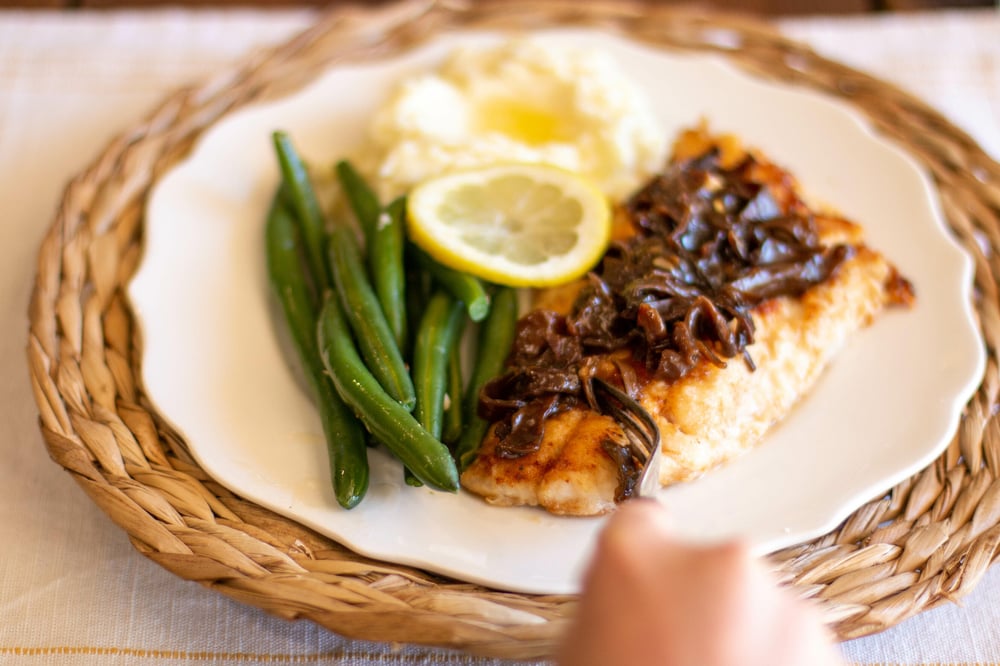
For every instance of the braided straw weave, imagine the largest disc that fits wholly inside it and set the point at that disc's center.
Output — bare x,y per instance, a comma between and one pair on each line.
926,541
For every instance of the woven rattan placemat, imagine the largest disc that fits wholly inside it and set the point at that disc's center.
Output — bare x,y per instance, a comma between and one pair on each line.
927,541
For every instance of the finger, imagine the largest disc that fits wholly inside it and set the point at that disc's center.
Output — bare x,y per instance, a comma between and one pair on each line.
636,534
642,516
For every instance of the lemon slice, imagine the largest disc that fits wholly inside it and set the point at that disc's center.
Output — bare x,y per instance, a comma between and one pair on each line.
523,225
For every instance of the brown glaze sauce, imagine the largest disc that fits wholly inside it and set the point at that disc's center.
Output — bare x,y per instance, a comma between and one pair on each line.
716,235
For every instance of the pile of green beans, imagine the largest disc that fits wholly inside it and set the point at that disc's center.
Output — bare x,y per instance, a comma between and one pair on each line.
378,327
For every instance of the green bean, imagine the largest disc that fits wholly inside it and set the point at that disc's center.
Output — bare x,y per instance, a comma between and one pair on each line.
364,313
453,414
299,190
436,336
348,458
363,201
383,232
496,335
385,265
418,292
464,287
385,418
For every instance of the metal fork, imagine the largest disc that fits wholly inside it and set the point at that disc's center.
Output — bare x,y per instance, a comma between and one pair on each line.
639,427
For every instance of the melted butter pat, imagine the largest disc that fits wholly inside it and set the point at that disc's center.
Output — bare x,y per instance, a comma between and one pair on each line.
521,122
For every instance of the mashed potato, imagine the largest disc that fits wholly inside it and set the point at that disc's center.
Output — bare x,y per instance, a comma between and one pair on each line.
522,101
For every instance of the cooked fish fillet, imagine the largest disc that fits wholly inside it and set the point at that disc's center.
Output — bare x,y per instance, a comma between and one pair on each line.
709,416
717,410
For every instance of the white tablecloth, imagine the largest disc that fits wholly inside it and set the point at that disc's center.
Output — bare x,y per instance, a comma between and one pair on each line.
72,589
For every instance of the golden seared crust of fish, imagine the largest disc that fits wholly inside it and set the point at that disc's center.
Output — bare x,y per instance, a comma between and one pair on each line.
569,474
707,417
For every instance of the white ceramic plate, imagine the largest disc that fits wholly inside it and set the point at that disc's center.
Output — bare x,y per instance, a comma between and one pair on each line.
213,366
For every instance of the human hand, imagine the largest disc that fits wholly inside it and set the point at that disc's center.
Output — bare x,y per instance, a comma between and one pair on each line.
650,599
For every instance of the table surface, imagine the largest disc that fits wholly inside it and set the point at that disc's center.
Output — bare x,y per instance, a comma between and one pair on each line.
72,589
